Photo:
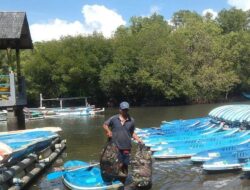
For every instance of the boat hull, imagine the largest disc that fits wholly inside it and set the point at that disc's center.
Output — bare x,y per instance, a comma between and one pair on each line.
84,179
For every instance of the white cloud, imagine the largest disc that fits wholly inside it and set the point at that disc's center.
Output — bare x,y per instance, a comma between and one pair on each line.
96,18
154,9
101,19
240,4
55,29
214,13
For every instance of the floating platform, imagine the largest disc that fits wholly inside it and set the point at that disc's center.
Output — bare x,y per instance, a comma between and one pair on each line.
16,177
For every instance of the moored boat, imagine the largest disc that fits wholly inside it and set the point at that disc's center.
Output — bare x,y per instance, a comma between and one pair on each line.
222,165
69,111
236,115
190,150
246,167
86,110
231,161
220,152
203,141
164,139
79,175
32,115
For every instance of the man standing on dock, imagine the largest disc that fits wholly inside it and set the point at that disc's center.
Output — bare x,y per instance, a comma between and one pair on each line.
120,129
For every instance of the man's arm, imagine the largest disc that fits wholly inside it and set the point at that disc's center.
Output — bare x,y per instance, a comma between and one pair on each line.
107,130
137,138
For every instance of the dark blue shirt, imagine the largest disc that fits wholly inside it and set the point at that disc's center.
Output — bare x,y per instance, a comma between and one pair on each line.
121,134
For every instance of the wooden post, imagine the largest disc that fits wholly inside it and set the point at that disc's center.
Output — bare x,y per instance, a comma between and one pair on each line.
18,70
15,118
10,66
41,100
61,104
86,102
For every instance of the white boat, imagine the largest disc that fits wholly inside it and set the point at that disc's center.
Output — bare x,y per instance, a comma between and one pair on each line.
86,110
75,111
70,111
32,115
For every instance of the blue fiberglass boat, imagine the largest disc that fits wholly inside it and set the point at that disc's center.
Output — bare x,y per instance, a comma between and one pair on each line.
232,113
15,145
160,141
246,167
178,131
188,151
231,161
198,125
183,123
209,141
188,125
163,139
85,177
220,152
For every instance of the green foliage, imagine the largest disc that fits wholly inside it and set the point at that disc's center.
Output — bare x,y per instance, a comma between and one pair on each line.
233,20
236,51
7,61
196,60
68,67
185,17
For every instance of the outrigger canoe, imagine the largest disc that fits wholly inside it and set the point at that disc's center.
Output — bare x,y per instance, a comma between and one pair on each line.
85,177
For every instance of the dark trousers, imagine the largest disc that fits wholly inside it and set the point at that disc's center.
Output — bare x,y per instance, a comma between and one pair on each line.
124,158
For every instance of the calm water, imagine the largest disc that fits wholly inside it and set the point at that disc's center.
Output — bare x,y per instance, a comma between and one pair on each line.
85,139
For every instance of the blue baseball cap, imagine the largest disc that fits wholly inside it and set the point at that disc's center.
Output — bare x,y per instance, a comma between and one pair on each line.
124,105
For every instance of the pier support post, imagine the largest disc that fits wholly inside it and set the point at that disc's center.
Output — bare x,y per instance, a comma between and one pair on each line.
15,118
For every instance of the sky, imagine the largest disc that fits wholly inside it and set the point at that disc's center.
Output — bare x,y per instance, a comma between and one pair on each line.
51,19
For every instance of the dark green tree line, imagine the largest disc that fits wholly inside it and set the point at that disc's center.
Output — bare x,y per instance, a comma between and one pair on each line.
194,59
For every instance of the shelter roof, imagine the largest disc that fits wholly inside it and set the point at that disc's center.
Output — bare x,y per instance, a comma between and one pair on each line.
14,31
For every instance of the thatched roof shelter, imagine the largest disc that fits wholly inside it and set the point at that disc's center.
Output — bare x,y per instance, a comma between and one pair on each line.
14,31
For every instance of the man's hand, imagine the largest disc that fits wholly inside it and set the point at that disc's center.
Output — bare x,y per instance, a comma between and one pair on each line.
107,130
109,133
137,138
140,141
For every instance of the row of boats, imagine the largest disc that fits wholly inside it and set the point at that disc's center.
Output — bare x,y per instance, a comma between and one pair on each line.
205,140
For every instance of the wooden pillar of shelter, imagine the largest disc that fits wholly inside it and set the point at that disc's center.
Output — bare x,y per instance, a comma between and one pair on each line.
15,115
18,68
15,34
15,118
